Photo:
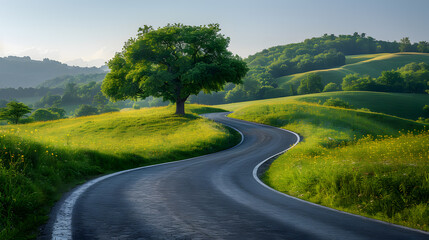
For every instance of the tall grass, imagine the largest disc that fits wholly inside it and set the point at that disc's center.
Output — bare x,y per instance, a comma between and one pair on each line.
40,161
352,160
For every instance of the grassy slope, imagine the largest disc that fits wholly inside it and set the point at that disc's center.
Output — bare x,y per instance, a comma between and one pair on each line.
372,64
39,161
398,104
403,105
339,166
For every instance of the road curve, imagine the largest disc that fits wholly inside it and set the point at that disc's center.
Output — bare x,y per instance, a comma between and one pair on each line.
215,197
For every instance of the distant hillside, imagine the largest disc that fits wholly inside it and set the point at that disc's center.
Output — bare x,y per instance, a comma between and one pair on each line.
24,72
61,82
368,64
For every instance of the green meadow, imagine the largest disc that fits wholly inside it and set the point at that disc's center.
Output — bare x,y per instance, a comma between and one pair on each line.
363,162
40,161
367,64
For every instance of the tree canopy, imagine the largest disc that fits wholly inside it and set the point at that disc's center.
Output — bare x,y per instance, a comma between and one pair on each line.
14,111
173,62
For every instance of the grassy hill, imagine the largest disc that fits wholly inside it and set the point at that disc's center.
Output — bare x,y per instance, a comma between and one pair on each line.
39,161
404,105
357,161
370,64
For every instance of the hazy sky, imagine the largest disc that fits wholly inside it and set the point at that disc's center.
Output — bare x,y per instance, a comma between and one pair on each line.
89,32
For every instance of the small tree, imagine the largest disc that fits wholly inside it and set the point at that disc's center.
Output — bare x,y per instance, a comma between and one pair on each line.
14,111
311,84
405,45
173,62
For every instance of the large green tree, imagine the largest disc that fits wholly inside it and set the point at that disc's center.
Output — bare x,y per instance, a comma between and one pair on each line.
14,111
173,62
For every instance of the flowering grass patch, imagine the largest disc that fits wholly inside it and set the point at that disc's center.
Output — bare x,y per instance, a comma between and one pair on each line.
357,161
40,161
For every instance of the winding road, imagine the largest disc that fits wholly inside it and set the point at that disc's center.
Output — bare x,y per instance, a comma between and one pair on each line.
216,196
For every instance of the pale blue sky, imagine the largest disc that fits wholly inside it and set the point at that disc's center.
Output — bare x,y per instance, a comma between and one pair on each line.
93,30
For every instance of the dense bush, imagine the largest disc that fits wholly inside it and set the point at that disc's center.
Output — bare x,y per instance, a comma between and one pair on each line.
44,115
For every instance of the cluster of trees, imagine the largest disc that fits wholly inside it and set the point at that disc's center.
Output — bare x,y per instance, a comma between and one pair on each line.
305,62
52,113
14,112
411,78
406,46
74,94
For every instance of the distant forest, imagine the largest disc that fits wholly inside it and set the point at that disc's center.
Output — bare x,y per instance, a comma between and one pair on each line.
24,72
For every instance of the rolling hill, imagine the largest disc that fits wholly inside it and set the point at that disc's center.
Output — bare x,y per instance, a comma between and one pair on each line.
367,64
404,105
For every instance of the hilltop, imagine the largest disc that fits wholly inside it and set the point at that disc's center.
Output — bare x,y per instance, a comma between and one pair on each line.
25,72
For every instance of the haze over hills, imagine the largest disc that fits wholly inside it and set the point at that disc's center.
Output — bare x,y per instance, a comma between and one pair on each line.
24,72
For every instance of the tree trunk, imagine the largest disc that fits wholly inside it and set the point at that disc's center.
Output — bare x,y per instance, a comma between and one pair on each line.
180,106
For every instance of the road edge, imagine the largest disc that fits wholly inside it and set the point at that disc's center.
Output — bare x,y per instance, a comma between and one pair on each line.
62,224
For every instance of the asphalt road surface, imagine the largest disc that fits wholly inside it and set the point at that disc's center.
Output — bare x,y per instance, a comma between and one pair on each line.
215,197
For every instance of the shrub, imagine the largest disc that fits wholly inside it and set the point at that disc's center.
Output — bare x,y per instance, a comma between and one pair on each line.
336,102
331,87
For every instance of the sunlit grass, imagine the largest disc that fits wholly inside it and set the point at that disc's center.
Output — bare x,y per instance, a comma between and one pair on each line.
350,59
352,160
39,161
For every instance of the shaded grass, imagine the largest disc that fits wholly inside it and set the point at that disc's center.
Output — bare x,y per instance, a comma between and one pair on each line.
351,160
40,161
